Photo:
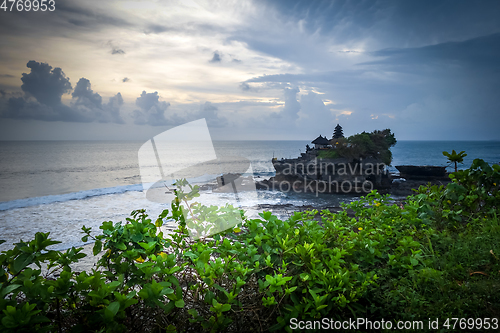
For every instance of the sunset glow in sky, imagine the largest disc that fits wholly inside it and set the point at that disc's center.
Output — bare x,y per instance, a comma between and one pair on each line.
428,70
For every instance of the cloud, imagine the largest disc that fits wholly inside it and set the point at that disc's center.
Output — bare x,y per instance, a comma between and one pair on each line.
88,103
115,49
47,85
89,17
480,52
396,87
366,58
313,111
292,106
21,108
382,24
125,79
211,114
152,111
245,86
43,89
299,113
156,29
215,58
67,20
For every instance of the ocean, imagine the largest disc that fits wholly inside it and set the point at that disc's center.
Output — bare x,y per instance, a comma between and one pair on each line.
59,186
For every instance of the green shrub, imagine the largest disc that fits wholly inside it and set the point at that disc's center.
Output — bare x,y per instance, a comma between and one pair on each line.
328,153
376,144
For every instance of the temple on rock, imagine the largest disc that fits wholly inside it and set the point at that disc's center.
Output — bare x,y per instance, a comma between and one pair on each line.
321,142
338,165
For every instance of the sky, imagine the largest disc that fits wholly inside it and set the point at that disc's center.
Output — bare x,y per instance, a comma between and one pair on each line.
255,70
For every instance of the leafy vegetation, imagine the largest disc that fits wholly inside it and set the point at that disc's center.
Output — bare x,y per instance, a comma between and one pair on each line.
328,153
375,144
436,255
455,158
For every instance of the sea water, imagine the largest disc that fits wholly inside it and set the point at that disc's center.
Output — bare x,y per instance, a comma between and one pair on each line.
59,186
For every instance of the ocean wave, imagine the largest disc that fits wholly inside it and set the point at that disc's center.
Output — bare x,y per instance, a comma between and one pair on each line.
36,201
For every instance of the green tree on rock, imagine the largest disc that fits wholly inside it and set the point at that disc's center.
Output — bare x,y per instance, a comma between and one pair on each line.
455,158
376,144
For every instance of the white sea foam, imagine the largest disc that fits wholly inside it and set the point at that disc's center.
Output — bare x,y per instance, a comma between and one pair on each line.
49,199
36,201
64,219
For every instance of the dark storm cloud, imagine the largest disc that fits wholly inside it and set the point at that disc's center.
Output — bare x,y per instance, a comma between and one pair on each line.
396,22
47,85
43,89
481,52
85,101
67,18
152,111
90,17
215,58
369,25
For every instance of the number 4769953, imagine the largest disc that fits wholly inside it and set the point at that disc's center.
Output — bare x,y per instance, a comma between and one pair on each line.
471,323
28,5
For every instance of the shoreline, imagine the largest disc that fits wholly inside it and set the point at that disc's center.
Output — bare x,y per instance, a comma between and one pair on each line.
399,191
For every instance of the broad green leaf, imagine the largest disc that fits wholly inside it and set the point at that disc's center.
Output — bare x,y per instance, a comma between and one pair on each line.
97,247
179,303
121,246
5,291
113,307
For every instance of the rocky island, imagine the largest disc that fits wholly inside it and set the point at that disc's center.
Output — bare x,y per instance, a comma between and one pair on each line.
352,165
357,164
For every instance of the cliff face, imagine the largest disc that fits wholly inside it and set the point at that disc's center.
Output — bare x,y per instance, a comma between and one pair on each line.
340,175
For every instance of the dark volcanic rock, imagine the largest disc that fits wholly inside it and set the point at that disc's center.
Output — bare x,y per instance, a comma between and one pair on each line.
405,187
425,172
309,173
